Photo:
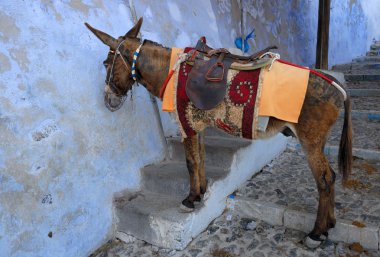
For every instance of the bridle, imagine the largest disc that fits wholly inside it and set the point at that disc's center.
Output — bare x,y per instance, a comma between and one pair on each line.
132,70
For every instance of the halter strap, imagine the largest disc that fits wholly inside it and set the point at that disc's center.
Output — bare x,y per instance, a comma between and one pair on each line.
134,61
113,62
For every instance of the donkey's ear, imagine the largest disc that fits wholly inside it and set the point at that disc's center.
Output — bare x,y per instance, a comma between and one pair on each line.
104,37
133,32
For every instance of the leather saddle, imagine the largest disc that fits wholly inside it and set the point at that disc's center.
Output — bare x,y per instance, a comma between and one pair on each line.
206,84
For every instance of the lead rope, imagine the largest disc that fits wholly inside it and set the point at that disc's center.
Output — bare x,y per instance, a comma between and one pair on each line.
181,58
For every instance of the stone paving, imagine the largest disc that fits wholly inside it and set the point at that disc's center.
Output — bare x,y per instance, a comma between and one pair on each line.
364,85
288,181
238,237
366,133
365,103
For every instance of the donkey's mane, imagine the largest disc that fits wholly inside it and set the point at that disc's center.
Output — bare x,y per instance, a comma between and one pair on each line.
147,41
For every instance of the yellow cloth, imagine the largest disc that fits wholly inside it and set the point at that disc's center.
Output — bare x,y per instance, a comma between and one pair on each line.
283,91
168,99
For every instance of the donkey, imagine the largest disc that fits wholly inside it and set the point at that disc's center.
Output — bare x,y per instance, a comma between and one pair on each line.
320,111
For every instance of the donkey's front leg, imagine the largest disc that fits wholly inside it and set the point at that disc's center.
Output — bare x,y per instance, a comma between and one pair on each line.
193,164
202,155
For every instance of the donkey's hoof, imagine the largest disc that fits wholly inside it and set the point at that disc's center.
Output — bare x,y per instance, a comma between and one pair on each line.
185,209
313,242
187,206
198,199
196,203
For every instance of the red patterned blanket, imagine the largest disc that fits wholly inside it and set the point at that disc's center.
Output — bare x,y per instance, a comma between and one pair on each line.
235,114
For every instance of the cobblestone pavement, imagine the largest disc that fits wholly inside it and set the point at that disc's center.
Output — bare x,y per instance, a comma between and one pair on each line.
239,237
279,182
288,181
365,103
366,133
363,84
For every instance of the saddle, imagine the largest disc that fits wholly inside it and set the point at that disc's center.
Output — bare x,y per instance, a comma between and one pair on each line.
206,83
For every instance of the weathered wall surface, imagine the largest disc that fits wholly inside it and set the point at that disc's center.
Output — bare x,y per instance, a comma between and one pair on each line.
348,31
292,26
62,153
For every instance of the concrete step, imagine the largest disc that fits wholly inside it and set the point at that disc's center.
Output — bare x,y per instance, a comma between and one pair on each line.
172,178
153,215
375,45
356,67
363,92
363,84
362,77
155,218
367,59
364,116
373,52
219,149
368,103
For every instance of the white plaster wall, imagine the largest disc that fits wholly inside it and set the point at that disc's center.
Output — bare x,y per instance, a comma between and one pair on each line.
353,25
348,31
62,153
371,9
292,26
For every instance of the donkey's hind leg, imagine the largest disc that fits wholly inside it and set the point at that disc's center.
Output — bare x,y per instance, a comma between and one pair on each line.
325,179
312,134
193,159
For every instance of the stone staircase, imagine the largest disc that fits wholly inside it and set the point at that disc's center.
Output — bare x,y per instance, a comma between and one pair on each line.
363,83
153,214
364,68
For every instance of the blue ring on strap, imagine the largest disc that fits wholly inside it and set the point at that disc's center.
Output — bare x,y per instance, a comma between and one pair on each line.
134,61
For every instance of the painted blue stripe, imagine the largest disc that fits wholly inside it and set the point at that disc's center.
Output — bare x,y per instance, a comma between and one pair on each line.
373,116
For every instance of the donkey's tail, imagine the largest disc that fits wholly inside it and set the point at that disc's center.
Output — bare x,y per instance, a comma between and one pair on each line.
345,145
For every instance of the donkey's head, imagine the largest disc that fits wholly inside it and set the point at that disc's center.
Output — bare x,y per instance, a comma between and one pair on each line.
119,79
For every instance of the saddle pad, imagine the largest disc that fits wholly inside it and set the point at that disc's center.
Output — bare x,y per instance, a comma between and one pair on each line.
168,99
235,114
283,91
